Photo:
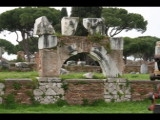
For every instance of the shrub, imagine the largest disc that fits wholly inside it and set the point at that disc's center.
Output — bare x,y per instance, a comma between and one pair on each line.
9,101
61,102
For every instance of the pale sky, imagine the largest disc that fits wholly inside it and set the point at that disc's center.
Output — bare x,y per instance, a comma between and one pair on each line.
151,14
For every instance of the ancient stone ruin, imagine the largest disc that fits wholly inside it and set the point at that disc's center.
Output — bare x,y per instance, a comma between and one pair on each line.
69,25
54,51
94,25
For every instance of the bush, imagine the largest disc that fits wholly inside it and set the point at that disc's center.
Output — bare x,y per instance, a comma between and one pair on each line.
9,101
61,102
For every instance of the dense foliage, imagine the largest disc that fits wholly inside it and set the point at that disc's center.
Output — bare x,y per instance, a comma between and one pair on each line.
141,47
23,19
8,46
118,20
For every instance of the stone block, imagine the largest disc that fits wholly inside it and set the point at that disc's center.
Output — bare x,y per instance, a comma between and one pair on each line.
94,25
116,43
69,25
47,41
43,26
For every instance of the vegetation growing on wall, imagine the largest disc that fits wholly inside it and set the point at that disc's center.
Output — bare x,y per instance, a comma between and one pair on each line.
64,86
96,37
17,85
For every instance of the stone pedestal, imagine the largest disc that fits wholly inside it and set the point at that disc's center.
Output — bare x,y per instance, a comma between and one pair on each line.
144,69
49,63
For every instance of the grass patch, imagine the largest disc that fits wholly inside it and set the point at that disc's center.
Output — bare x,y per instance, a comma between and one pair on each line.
98,107
33,74
14,74
136,76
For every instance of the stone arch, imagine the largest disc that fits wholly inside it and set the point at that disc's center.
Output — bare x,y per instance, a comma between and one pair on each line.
111,64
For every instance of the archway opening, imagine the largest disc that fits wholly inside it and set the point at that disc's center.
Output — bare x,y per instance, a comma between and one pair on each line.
82,62
84,56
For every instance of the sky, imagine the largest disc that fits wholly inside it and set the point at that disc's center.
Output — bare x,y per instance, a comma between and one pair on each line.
149,13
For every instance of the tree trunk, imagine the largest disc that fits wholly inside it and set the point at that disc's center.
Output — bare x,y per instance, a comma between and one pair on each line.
25,46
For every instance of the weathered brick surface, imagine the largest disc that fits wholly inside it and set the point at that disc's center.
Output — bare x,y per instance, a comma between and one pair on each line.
80,90
117,57
49,65
141,89
136,68
23,93
51,60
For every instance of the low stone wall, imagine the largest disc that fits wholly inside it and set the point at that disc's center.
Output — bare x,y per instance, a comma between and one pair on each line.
31,66
83,68
136,68
80,90
49,90
22,89
140,89
117,89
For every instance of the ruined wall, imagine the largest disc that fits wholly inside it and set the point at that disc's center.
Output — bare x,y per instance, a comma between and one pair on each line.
80,90
140,89
48,63
83,68
77,91
136,68
49,90
51,60
117,56
22,90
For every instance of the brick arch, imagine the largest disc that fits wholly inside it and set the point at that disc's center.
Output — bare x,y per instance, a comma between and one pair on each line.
111,63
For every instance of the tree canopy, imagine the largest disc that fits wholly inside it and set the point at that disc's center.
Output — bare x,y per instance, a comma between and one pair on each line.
64,12
142,47
8,46
23,19
118,19
33,45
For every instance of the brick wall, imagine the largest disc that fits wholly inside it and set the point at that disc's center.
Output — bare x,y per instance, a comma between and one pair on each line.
140,89
136,68
79,90
82,90
22,89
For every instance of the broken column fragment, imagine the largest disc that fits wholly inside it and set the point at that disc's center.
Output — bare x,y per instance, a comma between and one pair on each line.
47,41
94,25
45,30
43,26
69,25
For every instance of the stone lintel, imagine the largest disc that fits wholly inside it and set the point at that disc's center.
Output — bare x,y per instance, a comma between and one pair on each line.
85,80
18,79
48,79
